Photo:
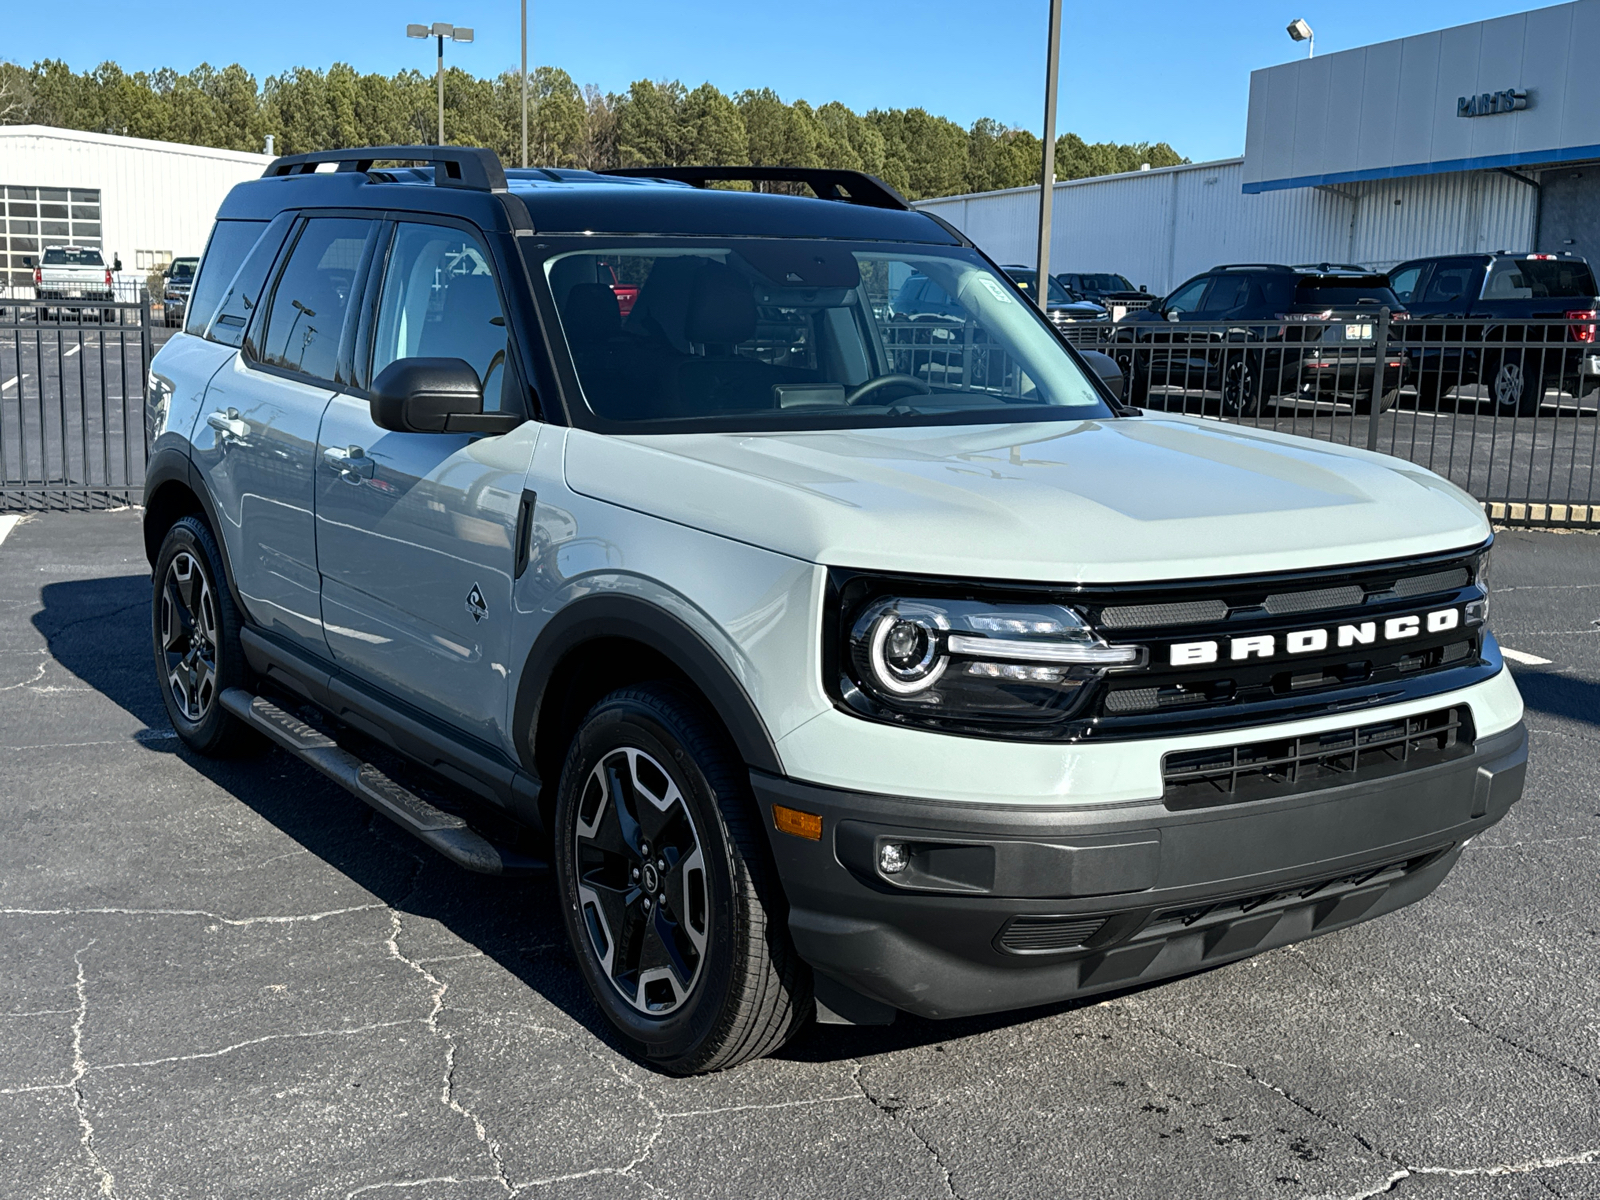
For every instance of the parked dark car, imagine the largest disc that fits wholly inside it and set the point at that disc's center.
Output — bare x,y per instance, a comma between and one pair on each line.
1257,331
1112,292
1520,323
1084,324
176,282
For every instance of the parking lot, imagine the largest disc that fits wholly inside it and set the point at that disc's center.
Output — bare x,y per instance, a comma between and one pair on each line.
224,980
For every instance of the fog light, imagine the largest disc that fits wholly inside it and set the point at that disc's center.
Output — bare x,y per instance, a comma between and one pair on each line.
893,857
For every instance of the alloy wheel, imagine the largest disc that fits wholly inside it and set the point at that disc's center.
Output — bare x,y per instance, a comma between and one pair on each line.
1509,384
1238,386
189,636
641,880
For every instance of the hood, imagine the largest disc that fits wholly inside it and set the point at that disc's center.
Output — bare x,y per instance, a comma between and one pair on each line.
1083,309
1097,501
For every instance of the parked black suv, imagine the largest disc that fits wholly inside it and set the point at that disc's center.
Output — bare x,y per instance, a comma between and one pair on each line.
1083,324
1255,331
1520,323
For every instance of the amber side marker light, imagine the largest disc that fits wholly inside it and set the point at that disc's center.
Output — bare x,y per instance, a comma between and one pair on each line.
800,824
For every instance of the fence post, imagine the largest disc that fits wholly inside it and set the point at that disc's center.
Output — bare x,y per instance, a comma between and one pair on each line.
1380,345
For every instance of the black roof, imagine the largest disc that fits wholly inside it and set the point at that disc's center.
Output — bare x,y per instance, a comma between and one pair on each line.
568,201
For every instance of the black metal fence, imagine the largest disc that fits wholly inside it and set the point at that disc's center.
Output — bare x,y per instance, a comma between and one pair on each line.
72,384
1505,411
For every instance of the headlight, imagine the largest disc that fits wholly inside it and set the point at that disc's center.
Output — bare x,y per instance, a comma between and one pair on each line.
1478,610
974,661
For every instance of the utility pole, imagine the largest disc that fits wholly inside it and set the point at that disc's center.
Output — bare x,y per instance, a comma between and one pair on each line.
1047,181
439,75
524,83
440,30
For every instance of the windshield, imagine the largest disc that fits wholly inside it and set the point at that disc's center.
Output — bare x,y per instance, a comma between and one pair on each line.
1026,280
1538,279
183,268
72,256
790,333
1107,283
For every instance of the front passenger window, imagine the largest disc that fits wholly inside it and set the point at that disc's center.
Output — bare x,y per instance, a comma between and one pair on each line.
440,301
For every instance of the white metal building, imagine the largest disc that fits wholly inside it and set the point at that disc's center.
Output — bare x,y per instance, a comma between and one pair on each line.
142,201
1481,137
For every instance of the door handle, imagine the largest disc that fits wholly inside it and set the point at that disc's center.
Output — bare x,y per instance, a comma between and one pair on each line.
229,425
351,462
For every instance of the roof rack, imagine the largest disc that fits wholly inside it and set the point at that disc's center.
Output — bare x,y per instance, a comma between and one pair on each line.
1333,266
851,187
1251,267
454,166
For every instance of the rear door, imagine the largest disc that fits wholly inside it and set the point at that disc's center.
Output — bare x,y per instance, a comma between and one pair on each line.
417,532
256,441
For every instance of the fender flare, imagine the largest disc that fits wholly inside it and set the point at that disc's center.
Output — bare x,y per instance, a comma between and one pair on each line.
592,618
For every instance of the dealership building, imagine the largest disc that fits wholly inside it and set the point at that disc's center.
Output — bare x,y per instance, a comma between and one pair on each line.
141,201
1481,137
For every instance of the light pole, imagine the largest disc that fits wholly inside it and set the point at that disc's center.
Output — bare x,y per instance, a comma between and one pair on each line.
440,30
1301,32
524,83
1047,180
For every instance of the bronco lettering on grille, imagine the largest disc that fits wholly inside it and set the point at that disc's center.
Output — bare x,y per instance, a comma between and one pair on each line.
1311,641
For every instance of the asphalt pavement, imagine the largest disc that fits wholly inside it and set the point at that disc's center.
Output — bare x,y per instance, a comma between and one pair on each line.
234,980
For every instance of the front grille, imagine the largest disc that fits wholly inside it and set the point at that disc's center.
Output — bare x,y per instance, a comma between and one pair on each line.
1086,335
1285,603
1151,616
1037,935
1438,581
1283,766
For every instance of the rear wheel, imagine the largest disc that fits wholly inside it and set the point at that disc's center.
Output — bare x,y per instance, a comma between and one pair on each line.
1241,389
671,902
195,628
1385,401
1516,390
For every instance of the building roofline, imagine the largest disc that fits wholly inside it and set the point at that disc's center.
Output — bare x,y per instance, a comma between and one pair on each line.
1212,164
1486,162
56,133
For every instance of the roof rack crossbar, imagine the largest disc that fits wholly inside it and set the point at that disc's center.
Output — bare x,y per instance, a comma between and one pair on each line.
1250,266
851,187
470,167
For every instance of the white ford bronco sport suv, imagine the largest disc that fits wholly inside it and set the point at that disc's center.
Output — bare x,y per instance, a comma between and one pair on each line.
838,660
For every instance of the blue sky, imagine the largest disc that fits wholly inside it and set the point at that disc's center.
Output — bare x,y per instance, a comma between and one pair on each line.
1152,70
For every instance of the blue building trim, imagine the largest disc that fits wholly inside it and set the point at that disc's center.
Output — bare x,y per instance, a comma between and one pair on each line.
1487,162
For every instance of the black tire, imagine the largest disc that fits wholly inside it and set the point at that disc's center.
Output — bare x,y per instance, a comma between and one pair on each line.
1242,389
1385,401
194,628
652,755
1138,394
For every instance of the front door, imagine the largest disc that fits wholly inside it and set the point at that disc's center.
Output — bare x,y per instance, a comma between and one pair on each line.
416,531
256,439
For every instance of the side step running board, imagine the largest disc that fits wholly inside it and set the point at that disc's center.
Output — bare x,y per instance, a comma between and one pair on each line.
445,832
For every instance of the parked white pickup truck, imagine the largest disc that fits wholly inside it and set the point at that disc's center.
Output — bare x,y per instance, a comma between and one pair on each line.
72,273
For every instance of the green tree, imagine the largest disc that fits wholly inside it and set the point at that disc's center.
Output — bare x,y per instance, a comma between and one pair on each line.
713,129
649,124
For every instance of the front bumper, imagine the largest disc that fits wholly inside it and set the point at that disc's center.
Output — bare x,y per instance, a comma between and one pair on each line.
1008,907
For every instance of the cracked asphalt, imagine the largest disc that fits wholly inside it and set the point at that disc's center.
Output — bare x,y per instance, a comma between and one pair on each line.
234,980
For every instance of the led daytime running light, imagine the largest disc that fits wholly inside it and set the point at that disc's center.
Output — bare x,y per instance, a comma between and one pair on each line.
1047,652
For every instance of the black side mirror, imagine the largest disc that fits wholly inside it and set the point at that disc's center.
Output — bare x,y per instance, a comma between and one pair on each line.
434,395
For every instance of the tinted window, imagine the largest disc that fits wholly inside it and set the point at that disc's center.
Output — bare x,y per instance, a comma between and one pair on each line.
1187,298
184,268
309,302
1227,294
230,242
439,301
1404,282
1344,291
1027,279
1449,282
72,256
1538,279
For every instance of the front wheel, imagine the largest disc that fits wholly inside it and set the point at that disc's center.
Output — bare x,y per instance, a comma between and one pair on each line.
671,902
195,627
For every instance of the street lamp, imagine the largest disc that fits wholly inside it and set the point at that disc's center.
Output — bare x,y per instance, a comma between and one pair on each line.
440,30
1301,32
1047,177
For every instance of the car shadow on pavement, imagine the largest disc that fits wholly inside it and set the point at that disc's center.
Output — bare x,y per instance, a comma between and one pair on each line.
1555,695
99,629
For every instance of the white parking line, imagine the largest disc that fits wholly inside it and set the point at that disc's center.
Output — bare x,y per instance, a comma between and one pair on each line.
71,352
1527,660
7,524
10,383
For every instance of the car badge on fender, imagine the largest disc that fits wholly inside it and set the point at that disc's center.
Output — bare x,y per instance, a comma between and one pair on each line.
476,605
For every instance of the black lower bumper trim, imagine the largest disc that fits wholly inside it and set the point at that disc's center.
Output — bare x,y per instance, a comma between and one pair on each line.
1000,908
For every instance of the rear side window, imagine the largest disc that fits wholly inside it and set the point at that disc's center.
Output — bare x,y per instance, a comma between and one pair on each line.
306,317
230,242
1539,279
1449,281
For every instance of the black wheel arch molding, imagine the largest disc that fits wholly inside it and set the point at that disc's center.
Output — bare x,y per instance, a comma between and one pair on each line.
169,476
608,616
